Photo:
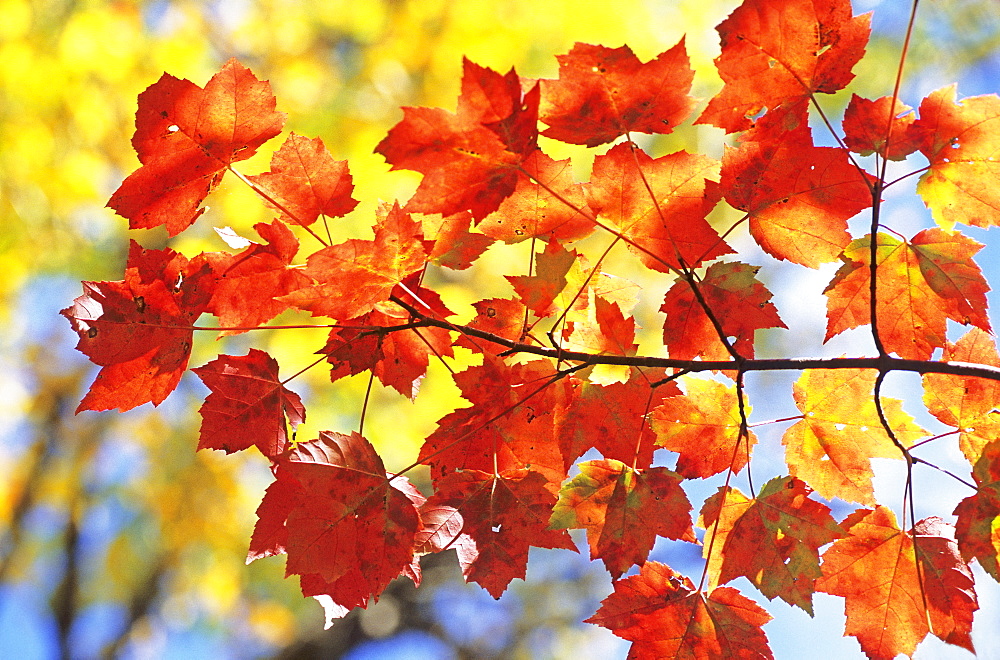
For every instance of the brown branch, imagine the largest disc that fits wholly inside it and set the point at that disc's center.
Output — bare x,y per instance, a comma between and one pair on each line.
885,363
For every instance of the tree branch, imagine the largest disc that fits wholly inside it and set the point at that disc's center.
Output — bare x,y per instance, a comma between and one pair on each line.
885,363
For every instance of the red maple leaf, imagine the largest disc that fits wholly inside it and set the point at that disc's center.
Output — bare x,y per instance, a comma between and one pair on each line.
798,196
659,205
612,418
186,137
603,93
866,123
739,301
332,509
470,159
978,525
139,330
663,616
247,405
502,516
261,268
779,51
547,201
307,182
354,276
623,511
398,359
513,423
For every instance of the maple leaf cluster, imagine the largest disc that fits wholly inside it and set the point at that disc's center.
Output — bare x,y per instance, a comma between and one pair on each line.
504,470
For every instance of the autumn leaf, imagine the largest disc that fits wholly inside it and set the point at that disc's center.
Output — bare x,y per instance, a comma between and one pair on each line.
623,511
247,404
502,516
718,515
499,103
398,359
354,276
875,568
307,182
967,404
603,93
659,205
740,302
537,291
454,245
798,196
263,268
960,141
186,137
774,540
663,616
948,582
139,330
978,525
921,284
470,159
547,202
609,332
778,51
703,426
866,122
586,283
612,418
498,316
512,424
831,447
332,510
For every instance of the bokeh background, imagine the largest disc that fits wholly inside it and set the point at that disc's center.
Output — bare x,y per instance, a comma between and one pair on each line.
117,539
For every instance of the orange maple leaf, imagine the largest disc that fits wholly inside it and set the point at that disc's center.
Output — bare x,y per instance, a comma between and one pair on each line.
875,568
960,140
307,182
967,404
603,93
921,284
659,205
354,276
703,427
772,540
831,447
